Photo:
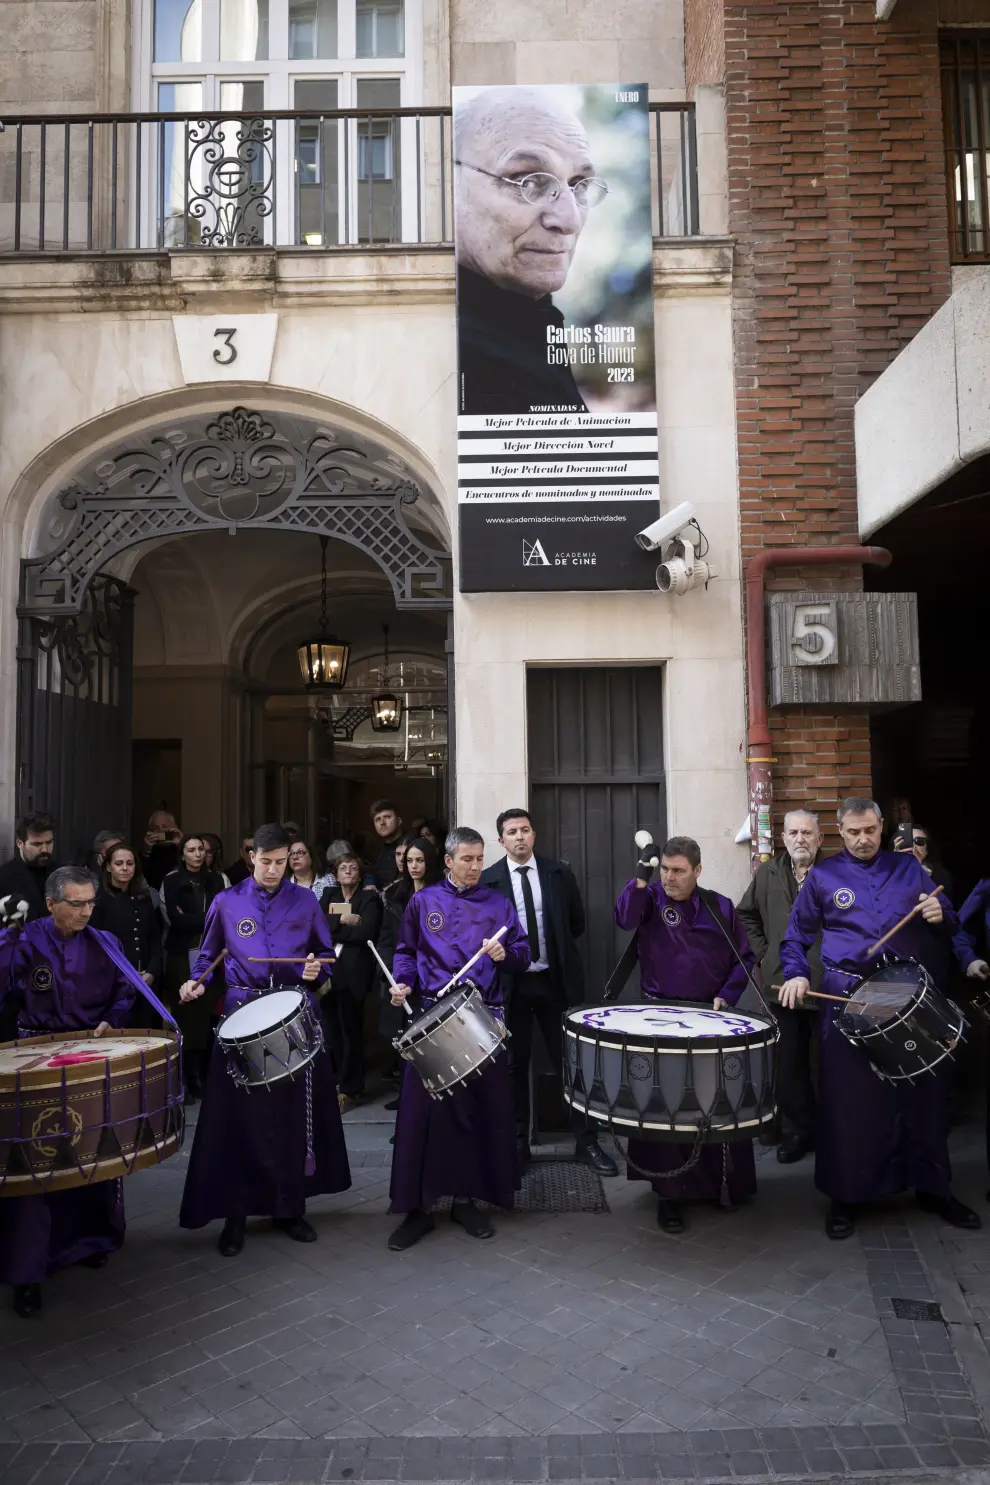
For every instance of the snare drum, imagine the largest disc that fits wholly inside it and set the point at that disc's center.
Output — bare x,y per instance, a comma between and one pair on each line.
902,1021
76,1109
274,1036
452,1040
671,1072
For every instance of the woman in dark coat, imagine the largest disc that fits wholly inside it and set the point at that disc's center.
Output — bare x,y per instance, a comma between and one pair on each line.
187,893
354,925
126,906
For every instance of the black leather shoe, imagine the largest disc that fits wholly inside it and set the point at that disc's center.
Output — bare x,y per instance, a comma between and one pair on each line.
472,1219
95,1260
414,1225
232,1238
524,1155
587,1151
794,1147
297,1228
950,1209
670,1218
392,1105
27,1300
840,1222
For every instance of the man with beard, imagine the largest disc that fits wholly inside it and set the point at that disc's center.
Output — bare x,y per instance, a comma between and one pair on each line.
23,877
875,1137
765,911
524,184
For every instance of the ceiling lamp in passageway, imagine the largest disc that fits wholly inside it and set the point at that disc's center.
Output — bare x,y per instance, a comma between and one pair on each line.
323,660
386,707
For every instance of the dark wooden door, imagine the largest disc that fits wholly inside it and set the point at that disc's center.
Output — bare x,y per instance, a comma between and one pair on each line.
596,776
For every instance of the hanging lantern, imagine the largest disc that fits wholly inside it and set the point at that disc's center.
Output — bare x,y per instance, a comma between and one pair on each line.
323,660
386,707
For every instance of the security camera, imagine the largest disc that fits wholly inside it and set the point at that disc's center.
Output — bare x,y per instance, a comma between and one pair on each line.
682,569
668,526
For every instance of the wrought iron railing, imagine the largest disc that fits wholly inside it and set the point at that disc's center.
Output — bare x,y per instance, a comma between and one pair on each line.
345,178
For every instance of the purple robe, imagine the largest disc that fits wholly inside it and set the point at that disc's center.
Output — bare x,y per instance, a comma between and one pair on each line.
875,1138
463,1145
683,955
251,1149
60,984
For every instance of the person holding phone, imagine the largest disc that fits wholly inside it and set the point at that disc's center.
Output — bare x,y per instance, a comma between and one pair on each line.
160,848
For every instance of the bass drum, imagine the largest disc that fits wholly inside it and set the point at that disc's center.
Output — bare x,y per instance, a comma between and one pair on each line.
676,1072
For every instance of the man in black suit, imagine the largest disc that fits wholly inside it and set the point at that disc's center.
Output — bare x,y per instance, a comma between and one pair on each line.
23,877
548,902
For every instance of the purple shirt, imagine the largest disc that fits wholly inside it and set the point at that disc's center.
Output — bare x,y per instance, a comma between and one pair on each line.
249,922
682,951
63,984
854,903
442,928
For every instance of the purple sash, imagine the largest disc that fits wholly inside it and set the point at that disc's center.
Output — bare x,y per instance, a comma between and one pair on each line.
111,947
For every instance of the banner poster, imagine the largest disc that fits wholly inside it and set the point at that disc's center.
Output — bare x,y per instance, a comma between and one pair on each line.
557,416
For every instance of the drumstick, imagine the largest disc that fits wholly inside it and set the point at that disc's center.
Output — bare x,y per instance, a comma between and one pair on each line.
906,919
818,994
207,972
388,975
473,960
291,959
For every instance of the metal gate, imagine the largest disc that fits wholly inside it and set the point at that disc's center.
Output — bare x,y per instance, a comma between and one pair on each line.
596,776
74,716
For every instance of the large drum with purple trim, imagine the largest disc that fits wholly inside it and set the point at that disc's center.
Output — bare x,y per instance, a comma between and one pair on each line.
76,1109
676,1072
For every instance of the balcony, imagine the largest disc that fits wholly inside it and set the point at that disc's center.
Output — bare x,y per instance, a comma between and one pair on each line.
346,180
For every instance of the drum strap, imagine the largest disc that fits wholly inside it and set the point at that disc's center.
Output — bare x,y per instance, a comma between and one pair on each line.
711,902
619,977
113,951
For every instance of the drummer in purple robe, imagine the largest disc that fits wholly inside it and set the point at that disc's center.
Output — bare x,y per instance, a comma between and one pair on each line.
464,1145
61,977
263,1153
875,1138
684,954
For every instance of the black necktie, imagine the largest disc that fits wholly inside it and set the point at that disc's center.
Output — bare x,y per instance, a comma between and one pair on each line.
529,902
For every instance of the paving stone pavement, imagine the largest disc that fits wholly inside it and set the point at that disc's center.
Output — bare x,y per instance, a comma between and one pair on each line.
569,1347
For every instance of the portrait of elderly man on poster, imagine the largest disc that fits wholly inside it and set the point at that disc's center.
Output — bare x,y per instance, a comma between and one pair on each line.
528,179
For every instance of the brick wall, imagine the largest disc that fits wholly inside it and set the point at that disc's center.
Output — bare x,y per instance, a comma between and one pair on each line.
836,201
704,43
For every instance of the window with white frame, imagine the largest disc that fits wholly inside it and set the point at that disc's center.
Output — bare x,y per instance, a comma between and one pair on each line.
251,56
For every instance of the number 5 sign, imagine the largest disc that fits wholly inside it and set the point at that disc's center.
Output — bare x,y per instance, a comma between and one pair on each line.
225,348
814,634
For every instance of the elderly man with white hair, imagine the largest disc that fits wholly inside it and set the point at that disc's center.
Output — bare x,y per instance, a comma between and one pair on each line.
765,910
524,185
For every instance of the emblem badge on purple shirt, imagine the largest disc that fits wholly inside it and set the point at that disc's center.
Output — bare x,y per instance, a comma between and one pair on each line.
246,928
43,978
434,921
671,917
844,897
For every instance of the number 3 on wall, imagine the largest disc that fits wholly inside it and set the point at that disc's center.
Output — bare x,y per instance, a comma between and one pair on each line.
228,345
813,635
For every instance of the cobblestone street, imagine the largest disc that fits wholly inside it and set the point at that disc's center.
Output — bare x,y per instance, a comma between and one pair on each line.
572,1346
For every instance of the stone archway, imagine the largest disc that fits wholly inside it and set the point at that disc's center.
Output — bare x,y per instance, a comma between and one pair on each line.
231,470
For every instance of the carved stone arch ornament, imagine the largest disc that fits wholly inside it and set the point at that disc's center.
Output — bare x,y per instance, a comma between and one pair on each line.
228,470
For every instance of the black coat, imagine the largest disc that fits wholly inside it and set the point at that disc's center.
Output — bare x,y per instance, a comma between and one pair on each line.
136,923
765,910
26,884
502,342
186,910
563,924
355,969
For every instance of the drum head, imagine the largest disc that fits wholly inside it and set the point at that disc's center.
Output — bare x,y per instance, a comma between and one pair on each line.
449,1005
259,1016
883,996
656,1022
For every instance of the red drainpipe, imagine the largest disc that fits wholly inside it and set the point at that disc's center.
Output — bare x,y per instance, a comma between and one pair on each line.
758,758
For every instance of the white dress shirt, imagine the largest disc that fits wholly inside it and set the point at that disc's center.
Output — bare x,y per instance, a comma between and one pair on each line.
517,892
